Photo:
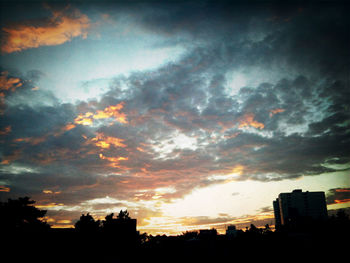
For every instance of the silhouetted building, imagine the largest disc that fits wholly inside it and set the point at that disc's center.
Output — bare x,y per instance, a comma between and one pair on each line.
298,206
208,233
231,231
277,212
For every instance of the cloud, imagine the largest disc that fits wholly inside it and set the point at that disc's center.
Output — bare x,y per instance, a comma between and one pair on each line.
60,28
10,157
114,161
266,209
9,83
275,111
5,131
104,142
112,111
248,120
51,192
17,89
4,188
104,156
338,196
157,135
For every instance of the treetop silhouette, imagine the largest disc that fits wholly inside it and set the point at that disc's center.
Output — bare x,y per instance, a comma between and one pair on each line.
87,223
21,215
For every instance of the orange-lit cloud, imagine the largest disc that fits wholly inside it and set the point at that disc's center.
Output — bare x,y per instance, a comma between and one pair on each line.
11,157
84,119
31,140
38,140
59,29
275,111
114,160
342,201
68,127
230,136
62,226
51,192
4,189
105,142
112,111
140,149
248,120
343,190
62,130
229,174
338,196
49,205
6,130
49,219
64,221
238,169
7,83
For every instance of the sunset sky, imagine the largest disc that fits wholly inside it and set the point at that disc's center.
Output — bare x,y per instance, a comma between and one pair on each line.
190,115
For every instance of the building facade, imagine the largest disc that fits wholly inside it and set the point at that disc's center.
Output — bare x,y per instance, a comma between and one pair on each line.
298,206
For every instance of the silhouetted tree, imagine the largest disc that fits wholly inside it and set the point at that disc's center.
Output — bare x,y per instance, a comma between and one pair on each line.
21,215
121,225
109,217
143,238
190,235
87,223
108,221
339,223
123,215
267,230
342,216
253,232
254,229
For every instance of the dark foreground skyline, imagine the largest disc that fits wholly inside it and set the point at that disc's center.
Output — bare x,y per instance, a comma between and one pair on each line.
189,114
115,239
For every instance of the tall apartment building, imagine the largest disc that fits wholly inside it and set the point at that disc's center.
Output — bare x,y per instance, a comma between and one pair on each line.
297,206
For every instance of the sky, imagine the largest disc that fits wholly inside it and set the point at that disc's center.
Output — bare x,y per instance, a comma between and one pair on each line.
189,114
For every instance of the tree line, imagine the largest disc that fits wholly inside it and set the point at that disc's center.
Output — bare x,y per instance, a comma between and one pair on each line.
100,240
21,215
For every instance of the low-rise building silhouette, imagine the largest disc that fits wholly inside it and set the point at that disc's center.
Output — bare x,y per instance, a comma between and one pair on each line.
298,206
231,231
208,233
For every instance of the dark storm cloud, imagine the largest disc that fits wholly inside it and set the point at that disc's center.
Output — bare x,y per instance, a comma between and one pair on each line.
202,20
264,33
298,98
